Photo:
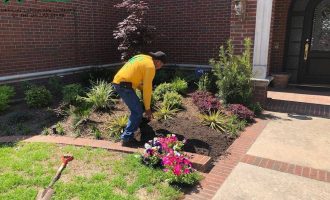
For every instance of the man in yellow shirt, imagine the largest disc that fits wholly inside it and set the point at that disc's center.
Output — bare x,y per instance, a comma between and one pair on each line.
138,72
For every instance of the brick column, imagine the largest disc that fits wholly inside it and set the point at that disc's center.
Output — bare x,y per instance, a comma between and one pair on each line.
260,87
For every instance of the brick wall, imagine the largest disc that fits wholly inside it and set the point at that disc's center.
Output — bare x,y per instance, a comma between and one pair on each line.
190,31
278,39
33,38
242,29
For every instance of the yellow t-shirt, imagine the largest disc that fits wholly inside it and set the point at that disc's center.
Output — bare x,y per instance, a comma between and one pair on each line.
140,71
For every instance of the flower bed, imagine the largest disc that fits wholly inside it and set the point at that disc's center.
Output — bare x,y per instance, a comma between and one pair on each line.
167,153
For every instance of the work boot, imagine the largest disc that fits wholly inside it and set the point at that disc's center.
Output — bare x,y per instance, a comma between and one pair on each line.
130,143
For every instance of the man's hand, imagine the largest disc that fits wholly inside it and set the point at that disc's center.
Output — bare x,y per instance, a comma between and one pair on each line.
149,114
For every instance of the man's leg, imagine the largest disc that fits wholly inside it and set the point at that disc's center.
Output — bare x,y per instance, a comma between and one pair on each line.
133,103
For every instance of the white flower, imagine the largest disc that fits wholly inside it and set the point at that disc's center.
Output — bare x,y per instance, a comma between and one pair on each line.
147,146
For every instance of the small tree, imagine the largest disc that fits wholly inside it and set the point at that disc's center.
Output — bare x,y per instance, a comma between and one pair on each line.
234,73
133,33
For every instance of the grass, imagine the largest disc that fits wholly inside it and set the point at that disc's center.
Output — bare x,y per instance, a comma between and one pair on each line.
94,174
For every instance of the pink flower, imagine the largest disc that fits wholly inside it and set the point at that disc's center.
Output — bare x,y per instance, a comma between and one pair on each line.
177,170
186,171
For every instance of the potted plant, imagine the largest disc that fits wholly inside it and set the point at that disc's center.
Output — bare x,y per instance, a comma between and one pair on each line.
281,80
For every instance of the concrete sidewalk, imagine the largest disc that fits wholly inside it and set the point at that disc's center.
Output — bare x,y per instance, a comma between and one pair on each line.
289,160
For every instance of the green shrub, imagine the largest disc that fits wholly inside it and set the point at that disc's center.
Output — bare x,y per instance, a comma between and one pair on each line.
172,99
59,129
117,125
180,85
161,90
234,73
38,96
71,92
55,85
101,95
204,83
215,120
256,108
6,93
165,112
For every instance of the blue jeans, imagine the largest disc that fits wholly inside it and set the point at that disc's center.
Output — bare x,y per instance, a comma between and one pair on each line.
133,103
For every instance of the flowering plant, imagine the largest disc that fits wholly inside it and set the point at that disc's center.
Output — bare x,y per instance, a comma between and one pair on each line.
241,112
206,101
167,152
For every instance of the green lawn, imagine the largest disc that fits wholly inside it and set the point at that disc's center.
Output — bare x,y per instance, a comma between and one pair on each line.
94,174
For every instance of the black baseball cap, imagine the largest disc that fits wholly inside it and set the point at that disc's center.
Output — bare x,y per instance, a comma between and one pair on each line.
159,55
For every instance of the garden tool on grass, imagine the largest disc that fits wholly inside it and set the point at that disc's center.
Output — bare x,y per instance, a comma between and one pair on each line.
47,193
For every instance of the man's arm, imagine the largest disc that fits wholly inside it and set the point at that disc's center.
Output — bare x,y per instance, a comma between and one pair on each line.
147,87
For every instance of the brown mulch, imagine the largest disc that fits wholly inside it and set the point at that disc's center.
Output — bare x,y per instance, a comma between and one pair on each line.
21,120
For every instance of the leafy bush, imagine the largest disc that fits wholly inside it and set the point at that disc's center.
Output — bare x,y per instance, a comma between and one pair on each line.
173,100
204,83
117,125
180,85
161,90
241,112
206,102
59,129
215,120
133,32
38,96
234,73
101,95
6,93
165,112
256,108
55,85
71,92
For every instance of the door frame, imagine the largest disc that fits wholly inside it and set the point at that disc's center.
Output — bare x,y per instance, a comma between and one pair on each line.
307,33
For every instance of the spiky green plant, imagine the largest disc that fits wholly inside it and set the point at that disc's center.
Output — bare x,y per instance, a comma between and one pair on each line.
165,112
101,95
96,132
215,120
80,114
204,83
117,125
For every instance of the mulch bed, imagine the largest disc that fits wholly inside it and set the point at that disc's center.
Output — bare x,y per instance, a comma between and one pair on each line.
21,120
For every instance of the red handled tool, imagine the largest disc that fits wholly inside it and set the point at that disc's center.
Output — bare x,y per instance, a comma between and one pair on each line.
47,193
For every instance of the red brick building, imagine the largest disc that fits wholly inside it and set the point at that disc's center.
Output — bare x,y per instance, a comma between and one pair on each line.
289,35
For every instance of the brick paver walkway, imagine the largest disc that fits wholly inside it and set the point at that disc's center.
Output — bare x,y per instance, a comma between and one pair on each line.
238,153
